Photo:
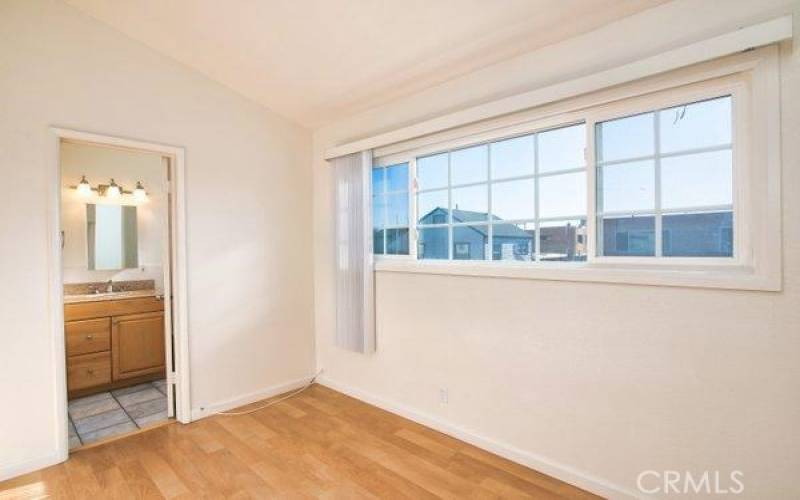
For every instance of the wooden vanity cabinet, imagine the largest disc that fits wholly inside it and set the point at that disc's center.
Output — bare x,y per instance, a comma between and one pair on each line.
113,343
138,345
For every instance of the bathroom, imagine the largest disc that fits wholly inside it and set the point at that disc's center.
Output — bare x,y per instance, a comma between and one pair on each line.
115,267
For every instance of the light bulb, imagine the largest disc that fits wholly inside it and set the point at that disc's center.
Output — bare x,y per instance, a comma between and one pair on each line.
139,194
113,190
84,189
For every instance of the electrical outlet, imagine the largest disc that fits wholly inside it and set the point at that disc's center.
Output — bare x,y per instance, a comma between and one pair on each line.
443,395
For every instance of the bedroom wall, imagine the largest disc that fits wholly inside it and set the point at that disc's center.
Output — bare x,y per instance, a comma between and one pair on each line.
591,382
249,272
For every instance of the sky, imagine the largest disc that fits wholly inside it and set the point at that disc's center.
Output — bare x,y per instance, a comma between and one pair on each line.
628,183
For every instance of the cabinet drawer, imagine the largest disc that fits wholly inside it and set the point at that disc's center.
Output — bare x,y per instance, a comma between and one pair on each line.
105,308
84,337
88,370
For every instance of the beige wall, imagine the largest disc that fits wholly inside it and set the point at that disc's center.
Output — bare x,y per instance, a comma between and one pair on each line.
590,381
248,212
99,164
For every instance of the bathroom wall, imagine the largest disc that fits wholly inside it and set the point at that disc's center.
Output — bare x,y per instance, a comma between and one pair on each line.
99,164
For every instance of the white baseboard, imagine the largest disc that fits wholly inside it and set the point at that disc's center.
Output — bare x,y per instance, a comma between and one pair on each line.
251,397
550,467
8,471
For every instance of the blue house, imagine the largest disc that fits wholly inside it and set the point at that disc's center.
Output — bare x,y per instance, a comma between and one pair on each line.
470,242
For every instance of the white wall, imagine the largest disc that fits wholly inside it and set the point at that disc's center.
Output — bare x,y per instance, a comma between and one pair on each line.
248,216
591,381
99,164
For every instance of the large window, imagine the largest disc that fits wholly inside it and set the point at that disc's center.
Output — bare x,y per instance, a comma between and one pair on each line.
517,199
390,210
662,188
665,182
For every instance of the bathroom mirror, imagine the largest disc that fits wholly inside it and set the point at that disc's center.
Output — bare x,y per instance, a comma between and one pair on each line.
111,235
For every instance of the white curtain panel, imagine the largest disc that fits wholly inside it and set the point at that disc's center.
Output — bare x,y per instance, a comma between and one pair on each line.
355,299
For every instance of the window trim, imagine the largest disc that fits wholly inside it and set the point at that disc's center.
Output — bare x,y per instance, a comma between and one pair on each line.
752,79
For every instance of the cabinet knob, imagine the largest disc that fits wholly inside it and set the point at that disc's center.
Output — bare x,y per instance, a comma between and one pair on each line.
90,372
89,337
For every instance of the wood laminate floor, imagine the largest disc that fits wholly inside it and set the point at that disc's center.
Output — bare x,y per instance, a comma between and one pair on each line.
319,444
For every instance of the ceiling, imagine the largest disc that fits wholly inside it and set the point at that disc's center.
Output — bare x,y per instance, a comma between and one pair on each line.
313,61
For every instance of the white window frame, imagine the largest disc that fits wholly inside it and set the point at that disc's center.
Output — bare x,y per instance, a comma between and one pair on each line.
752,81
736,88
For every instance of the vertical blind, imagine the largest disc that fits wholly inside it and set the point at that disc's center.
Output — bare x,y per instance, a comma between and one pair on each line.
355,302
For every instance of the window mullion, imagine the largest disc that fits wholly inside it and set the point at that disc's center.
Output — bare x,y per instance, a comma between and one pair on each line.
385,199
489,250
413,232
657,165
536,225
449,206
594,229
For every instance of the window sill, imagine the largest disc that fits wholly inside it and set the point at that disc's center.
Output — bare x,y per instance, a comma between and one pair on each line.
733,277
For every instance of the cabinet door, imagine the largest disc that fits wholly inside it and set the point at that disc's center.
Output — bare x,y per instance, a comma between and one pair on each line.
137,345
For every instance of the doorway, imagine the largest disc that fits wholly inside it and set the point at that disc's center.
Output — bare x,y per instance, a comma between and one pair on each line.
118,287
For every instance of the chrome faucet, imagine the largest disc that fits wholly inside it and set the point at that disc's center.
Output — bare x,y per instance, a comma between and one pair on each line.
109,286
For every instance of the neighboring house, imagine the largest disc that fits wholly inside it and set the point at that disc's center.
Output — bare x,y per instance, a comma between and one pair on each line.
509,241
565,241
698,235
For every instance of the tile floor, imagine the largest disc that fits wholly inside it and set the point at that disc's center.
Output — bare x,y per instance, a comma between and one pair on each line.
110,413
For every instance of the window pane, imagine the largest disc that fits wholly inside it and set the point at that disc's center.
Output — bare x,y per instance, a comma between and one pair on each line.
378,211
562,195
698,235
562,240
696,180
432,243
698,125
470,164
513,242
514,200
432,207
397,177
397,241
397,209
432,171
624,138
512,158
627,186
469,242
377,180
377,241
628,236
562,148
471,203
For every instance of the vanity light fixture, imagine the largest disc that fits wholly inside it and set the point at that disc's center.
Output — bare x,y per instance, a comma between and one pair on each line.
139,194
113,190
83,187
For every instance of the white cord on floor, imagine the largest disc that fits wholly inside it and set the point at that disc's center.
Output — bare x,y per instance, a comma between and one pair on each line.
271,403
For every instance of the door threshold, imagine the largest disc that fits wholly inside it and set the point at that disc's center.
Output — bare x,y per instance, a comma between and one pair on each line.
123,435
